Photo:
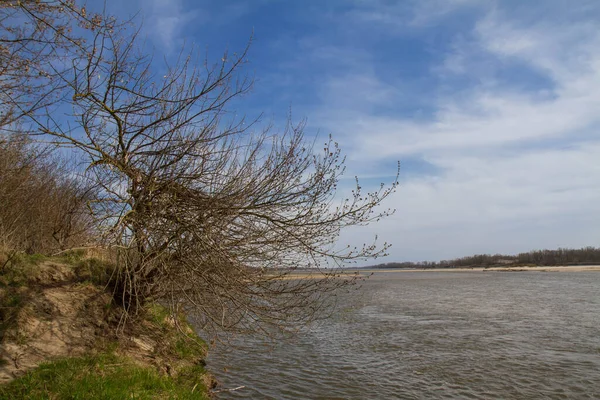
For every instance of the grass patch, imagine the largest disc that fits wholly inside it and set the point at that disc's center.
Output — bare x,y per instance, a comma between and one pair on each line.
189,377
158,314
11,301
19,268
180,336
71,256
94,270
189,348
104,376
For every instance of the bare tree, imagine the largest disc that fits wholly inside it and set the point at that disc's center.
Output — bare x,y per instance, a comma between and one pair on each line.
43,203
205,209
42,198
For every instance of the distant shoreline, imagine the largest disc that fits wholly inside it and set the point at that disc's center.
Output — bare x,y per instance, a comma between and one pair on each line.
362,272
575,268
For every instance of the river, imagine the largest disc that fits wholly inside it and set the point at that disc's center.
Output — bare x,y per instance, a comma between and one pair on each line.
435,335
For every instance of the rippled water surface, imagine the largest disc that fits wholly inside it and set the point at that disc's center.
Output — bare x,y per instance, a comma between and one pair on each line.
429,335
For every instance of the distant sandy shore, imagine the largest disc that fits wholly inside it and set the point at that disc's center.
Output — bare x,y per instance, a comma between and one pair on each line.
353,273
577,268
320,275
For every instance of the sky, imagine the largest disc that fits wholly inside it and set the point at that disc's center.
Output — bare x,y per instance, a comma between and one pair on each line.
491,107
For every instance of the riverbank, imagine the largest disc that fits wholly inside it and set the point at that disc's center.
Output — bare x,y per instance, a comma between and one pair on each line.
62,335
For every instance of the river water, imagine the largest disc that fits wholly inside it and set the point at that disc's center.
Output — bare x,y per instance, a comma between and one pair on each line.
435,335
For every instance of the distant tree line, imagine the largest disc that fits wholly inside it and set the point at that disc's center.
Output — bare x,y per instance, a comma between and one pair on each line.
583,256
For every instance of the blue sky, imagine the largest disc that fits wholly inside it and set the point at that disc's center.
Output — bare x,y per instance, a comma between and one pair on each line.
492,107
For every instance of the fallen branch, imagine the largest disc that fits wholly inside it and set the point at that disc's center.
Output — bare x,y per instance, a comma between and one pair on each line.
228,390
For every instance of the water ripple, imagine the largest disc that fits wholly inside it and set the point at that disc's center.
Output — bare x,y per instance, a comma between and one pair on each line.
436,336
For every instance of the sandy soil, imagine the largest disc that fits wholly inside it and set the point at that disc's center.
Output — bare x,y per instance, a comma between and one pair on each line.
60,317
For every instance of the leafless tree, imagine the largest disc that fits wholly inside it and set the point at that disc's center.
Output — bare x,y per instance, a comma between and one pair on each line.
205,209
43,204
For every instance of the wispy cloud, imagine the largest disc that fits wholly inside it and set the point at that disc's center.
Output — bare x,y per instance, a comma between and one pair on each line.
518,166
404,15
166,20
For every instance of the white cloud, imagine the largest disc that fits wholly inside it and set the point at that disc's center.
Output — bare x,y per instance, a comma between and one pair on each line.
427,12
563,50
515,203
165,21
403,14
520,167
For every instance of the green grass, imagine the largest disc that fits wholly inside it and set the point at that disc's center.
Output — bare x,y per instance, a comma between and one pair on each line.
104,376
71,256
186,346
11,300
94,270
19,268
158,314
